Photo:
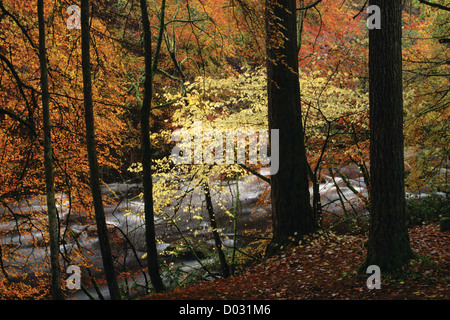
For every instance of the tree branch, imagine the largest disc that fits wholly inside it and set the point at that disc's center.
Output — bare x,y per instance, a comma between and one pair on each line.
362,9
431,4
18,119
23,28
315,3
256,173
15,74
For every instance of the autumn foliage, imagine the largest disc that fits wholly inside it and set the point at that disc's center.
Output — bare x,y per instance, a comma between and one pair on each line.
319,269
210,69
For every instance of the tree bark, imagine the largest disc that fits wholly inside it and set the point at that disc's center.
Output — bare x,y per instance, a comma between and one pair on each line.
291,210
150,234
52,212
217,242
102,230
389,245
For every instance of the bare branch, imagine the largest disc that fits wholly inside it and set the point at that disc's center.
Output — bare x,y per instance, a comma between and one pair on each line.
309,6
431,4
362,9
256,173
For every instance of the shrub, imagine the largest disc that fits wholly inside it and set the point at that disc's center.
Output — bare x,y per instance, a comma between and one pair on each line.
426,209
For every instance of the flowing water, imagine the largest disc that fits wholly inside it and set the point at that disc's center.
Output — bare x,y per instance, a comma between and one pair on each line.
194,225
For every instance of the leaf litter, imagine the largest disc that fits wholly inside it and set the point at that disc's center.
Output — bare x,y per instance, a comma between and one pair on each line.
325,267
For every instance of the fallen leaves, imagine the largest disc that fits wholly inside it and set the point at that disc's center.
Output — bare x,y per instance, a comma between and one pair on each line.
325,268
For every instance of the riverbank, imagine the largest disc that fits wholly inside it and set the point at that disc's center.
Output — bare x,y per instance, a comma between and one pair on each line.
325,268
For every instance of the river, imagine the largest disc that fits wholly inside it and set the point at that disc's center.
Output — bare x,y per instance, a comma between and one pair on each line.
193,225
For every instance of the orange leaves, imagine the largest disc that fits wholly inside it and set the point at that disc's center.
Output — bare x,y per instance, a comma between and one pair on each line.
325,268
20,291
332,38
19,154
24,233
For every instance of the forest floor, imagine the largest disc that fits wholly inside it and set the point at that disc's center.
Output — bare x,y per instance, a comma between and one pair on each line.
325,267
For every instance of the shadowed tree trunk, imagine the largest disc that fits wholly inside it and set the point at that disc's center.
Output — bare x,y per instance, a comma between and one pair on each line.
150,235
52,212
291,210
217,242
389,245
102,231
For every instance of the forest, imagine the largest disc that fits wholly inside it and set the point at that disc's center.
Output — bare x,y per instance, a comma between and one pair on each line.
224,150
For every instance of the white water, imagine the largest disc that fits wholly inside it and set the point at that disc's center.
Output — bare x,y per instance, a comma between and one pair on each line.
250,188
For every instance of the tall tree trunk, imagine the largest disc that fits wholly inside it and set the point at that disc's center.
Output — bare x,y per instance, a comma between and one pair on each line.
291,210
52,212
102,231
389,246
150,234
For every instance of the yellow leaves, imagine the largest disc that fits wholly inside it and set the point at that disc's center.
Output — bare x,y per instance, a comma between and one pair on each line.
127,213
135,167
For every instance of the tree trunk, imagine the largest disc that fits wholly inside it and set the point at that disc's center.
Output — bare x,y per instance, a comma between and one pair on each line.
102,231
388,246
217,242
291,210
150,234
52,212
